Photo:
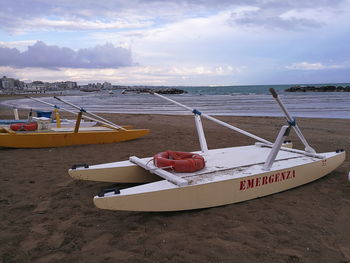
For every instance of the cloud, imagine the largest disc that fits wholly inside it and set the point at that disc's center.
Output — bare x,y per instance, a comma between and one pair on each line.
187,38
36,15
133,75
275,18
18,44
188,71
20,26
54,57
294,15
312,66
189,41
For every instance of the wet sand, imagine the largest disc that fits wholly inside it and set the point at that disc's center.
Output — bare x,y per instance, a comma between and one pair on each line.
48,217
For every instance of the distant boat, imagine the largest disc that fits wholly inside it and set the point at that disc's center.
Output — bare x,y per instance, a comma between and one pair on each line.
47,136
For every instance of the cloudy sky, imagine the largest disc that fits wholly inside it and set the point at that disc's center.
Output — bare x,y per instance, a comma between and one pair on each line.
176,42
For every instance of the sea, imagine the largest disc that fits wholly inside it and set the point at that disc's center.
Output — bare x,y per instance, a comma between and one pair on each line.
223,100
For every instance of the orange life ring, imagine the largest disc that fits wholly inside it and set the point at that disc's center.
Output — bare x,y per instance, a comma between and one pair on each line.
183,162
32,126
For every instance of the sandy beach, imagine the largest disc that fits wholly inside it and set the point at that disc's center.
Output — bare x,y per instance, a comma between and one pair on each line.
46,216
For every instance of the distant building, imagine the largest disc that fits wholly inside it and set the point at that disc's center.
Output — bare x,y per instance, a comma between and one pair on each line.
106,85
39,86
91,87
63,85
7,83
11,84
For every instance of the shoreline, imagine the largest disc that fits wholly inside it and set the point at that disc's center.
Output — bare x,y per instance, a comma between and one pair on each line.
5,107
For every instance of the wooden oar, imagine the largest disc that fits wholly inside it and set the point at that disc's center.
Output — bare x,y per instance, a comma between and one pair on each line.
84,110
291,122
75,113
214,119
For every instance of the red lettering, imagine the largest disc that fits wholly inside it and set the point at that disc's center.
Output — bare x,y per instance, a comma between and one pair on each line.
273,178
277,177
242,185
283,174
257,181
288,175
264,180
250,183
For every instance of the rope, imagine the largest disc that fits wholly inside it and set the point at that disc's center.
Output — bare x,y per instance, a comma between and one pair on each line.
163,168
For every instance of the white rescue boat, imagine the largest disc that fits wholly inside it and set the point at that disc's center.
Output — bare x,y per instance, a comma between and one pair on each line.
230,175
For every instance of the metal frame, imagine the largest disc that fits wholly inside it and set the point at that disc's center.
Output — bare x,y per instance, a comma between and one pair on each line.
262,142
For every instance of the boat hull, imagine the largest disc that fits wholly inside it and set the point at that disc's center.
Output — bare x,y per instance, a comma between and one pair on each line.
165,196
58,139
116,172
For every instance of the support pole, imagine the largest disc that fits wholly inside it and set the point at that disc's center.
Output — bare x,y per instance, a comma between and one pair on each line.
57,117
77,123
200,132
282,135
291,121
30,115
15,112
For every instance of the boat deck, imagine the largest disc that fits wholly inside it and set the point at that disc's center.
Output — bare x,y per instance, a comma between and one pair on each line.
242,162
6,129
230,163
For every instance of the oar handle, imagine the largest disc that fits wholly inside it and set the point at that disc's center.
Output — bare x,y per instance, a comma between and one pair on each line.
273,92
284,109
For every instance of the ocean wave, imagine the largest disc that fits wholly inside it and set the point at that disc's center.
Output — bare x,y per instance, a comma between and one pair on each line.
320,105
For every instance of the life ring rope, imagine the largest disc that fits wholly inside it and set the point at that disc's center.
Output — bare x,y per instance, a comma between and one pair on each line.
179,161
165,167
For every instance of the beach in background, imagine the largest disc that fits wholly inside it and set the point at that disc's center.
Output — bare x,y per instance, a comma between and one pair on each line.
46,216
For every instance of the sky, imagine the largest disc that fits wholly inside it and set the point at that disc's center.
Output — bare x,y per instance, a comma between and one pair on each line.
176,42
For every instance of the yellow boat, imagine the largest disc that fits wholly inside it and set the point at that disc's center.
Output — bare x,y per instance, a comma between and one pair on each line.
46,136
43,139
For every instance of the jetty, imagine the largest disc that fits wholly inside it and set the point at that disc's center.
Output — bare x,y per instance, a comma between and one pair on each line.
326,88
